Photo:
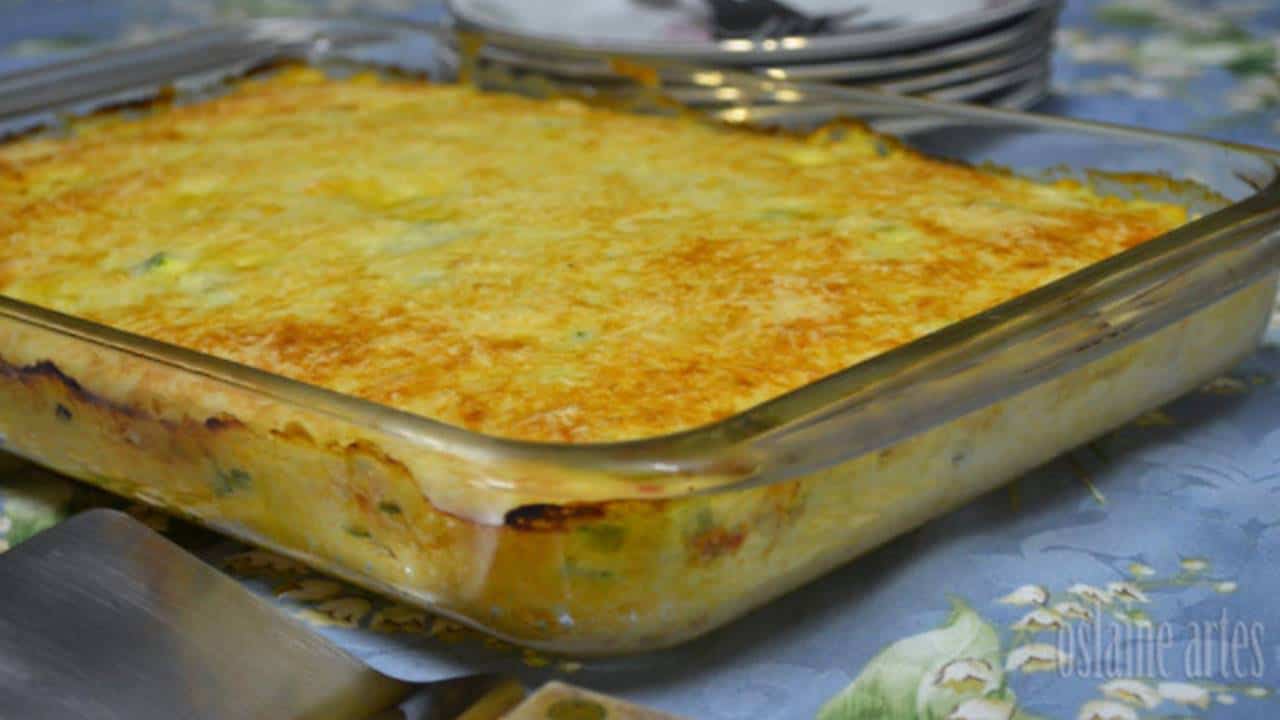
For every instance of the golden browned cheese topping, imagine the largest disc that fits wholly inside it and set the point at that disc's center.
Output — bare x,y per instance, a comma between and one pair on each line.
525,268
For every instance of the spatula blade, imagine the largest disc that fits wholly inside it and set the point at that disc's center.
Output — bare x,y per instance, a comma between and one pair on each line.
102,618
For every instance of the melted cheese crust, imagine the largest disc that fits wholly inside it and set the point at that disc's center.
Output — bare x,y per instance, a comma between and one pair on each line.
525,268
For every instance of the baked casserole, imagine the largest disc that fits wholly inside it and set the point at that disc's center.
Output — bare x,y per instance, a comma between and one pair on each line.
539,270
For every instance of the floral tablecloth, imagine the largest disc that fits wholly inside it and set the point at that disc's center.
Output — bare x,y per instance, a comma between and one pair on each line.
1135,577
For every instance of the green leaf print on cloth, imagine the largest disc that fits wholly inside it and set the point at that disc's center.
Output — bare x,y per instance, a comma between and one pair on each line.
967,669
32,501
928,676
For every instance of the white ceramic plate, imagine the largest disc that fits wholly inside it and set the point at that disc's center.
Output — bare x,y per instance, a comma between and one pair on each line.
956,86
681,28
1033,29
1024,96
967,59
1033,32
1019,96
976,90
959,74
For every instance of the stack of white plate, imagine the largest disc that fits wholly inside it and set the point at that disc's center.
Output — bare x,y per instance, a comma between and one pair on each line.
987,51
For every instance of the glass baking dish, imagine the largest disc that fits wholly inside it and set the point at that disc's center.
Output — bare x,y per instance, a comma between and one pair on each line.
612,548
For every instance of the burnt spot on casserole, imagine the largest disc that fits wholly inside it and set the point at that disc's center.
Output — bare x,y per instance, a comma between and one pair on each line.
222,421
547,517
48,370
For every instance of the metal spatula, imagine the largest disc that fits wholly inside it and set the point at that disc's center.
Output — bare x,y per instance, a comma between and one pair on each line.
100,617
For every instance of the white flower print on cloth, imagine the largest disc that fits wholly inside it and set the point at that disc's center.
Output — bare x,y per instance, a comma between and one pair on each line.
970,669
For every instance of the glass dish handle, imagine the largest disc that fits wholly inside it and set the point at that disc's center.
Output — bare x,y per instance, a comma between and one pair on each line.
37,96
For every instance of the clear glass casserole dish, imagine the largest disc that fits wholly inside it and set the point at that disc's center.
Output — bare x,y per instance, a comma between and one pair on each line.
621,547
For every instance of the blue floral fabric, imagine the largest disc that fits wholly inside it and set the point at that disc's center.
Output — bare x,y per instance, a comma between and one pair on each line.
1134,577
